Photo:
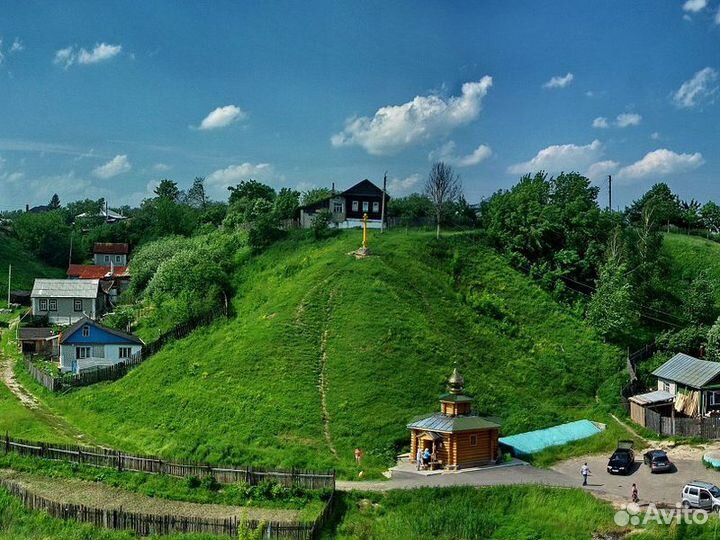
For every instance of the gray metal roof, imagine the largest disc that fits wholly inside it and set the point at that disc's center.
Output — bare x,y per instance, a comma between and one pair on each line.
688,370
34,333
448,424
658,396
65,288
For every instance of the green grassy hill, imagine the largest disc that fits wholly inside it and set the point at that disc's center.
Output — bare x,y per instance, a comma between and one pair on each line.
381,333
25,267
687,256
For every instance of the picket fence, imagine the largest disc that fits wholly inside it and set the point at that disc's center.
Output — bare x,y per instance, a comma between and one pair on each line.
150,524
224,474
117,371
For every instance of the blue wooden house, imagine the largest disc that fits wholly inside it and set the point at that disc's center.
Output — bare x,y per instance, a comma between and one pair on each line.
88,345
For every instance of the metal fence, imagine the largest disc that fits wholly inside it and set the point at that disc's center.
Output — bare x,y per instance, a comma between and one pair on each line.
114,459
152,524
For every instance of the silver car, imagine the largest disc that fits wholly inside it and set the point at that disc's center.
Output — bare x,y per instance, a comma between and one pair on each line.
701,495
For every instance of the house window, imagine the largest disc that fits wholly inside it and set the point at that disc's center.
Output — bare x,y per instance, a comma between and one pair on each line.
43,305
124,352
118,258
376,206
473,440
52,303
665,386
107,258
77,305
366,206
86,331
82,352
714,398
356,205
337,207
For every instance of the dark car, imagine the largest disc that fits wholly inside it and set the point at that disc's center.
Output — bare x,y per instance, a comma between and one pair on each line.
658,461
623,459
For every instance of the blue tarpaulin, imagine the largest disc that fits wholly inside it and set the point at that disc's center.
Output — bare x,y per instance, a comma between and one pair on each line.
525,444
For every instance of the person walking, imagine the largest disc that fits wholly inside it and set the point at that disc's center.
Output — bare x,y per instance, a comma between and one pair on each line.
634,494
418,459
426,457
358,455
585,472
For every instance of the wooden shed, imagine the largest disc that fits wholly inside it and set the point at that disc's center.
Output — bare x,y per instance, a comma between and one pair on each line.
456,437
660,401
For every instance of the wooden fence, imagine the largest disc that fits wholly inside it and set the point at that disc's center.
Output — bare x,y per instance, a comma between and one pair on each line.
114,459
117,371
703,427
148,524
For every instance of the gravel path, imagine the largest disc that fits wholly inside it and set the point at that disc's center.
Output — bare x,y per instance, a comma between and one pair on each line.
100,495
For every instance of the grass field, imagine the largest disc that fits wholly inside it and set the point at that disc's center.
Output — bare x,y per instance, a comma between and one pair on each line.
687,256
384,332
25,267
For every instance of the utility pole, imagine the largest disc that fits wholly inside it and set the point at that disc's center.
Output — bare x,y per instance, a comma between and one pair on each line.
610,192
382,212
9,280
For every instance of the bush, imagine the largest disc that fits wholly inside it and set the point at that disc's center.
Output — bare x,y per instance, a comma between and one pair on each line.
210,483
320,223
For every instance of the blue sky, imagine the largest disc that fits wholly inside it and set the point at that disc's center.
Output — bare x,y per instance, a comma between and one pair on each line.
104,100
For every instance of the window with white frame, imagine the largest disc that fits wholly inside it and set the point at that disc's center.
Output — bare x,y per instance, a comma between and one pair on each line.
366,206
337,207
82,352
714,398
356,206
77,305
43,304
52,304
86,331
376,206
124,352
665,386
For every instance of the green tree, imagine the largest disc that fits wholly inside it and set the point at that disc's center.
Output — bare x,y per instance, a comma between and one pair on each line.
197,196
662,202
314,195
250,190
710,216
287,203
167,190
713,341
698,301
46,234
321,223
410,209
54,203
611,309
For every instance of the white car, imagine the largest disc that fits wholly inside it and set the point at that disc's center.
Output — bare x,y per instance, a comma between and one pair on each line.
701,495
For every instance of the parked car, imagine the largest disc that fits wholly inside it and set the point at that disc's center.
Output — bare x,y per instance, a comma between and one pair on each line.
623,459
658,461
701,495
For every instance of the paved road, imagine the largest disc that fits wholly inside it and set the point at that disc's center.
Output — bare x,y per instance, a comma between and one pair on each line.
661,489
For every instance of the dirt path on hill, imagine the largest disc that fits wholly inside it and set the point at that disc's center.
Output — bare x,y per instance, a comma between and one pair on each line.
99,495
29,400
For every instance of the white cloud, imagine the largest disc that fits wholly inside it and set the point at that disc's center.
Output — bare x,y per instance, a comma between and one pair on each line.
717,16
218,181
161,167
447,153
72,55
222,117
117,165
661,162
402,186
627,119
561,157
601,168
17,46
559,81
600,122
394,127
655,135
694,6
702,85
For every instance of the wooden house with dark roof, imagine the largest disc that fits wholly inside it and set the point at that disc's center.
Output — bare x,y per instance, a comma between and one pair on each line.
456,436
348,208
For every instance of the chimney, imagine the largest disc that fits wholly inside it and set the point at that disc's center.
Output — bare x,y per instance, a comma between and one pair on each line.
333,188
27,207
